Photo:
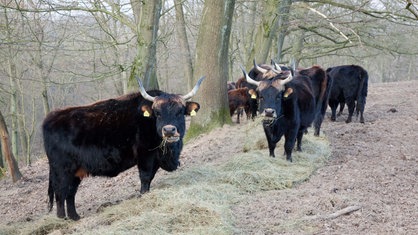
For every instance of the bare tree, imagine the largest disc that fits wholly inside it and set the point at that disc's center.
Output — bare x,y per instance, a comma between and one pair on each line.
6,151
212,49
147,16
183,42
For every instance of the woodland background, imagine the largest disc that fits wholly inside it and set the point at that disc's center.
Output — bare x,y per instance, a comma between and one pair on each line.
63,53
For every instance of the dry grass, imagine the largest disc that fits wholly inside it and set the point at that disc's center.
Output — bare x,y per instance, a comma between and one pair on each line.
196,200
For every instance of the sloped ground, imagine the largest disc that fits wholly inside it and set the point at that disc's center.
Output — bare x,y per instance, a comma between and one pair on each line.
373,168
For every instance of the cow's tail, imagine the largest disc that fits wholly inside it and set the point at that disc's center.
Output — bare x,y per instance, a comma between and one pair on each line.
362,91
50,193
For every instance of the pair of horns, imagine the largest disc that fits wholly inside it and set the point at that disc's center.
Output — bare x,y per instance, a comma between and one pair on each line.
254,82
185,97
275,67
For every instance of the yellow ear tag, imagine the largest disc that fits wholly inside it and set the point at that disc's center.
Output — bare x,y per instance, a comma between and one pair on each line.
193,113
146,113
253,96
288,92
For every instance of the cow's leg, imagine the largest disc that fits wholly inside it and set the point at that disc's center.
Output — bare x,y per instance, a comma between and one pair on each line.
60,204
361,107
147,172
351,106
253,107
239,112
247,110
289,144
270,141
60,187
333,105
361,117
71,212
299,139
317,123
342,104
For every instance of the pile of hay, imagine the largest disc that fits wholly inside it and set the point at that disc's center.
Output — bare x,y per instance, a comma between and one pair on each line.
199,200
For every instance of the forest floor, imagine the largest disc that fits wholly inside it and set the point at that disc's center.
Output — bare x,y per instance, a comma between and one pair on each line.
372,173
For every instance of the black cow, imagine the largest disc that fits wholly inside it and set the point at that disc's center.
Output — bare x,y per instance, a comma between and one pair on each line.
321,86
349,86
258,72
287,104
145,129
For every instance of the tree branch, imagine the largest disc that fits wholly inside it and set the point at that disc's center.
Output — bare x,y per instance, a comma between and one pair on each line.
408,7
336,214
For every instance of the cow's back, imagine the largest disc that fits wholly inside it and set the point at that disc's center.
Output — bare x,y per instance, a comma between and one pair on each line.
104,138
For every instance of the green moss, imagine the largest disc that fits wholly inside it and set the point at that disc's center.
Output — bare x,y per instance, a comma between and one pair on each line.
217,119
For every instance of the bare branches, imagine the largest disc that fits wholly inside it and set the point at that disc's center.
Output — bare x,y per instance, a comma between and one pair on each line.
330,23
411,8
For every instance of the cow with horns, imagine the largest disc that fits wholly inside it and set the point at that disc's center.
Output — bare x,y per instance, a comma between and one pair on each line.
145,129
321,87
287,105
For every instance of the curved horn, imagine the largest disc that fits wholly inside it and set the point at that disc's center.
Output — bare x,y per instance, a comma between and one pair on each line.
143,91
249,80
194,90
286,80
276,66
258,68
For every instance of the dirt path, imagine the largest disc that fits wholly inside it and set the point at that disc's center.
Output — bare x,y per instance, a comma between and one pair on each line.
374,166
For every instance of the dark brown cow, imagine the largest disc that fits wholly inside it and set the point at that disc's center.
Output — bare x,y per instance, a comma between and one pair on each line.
230,86
145,129
239,99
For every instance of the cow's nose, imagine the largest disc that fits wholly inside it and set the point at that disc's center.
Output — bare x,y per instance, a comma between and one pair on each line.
169,130
269,112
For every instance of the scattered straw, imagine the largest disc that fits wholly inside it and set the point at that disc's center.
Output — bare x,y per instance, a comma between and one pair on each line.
199,200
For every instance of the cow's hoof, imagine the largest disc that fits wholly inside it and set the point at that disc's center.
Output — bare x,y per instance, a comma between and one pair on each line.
74,217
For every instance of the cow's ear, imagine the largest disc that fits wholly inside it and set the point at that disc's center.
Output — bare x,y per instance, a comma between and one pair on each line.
288,92
146,110
253,94
192,108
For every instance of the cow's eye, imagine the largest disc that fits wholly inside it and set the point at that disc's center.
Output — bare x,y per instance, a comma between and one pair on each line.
157,114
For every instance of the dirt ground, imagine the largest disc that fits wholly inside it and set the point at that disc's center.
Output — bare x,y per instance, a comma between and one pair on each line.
373,170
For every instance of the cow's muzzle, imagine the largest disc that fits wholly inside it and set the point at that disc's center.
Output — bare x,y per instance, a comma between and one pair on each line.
170,134
269,114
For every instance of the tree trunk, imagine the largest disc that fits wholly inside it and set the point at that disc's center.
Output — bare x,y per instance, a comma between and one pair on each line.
147,15
6,151
212,49
186,57
264,31
1,159
282,25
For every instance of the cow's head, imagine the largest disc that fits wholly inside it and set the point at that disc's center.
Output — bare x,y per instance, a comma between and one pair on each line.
271,93
169,111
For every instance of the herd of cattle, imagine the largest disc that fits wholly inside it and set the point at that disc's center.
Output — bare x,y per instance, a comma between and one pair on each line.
146,129
290,101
